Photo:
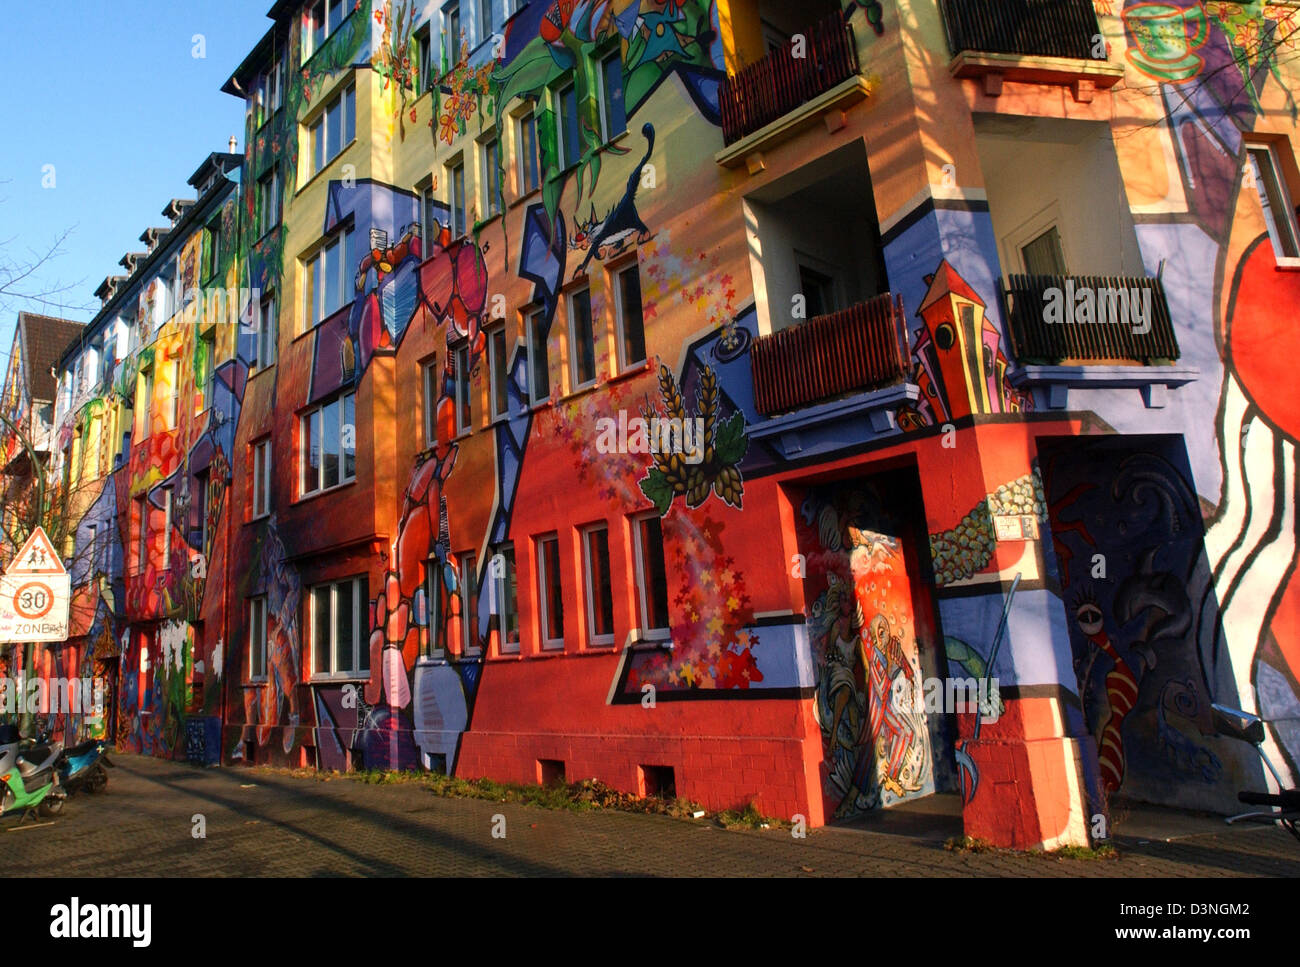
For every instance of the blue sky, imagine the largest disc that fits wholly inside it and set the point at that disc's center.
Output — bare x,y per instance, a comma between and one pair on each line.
112,96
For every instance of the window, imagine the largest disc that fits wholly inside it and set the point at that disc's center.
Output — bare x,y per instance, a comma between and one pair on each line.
142,534
143,404
539,363
167,526
431,393
340,638
498,374
567,131
456,198
451,17
326,278
208,370
549,592
275,87
491,177
613,114
326,15
327,454
174,400
467,569
484,19
600,590
1279,214
257,638
424,61
214,249
651,575
333,130
582,339
530,171
460,380
631,325
262,478
430,225
201,508
1043,255
504,593
818,290
266,329
268,202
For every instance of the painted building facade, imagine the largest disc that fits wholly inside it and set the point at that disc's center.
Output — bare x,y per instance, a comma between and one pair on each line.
673,392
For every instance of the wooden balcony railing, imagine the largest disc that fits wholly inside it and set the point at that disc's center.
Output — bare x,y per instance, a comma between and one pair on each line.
1031,28
1047,319
862,347
780,82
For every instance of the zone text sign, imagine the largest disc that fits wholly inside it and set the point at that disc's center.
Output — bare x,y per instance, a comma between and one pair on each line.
34,594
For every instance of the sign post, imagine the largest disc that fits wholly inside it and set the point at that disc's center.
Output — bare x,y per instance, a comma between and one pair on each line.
34,594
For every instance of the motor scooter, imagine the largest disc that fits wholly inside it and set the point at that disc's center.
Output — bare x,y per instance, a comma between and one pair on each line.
29,779
83,767
1284,804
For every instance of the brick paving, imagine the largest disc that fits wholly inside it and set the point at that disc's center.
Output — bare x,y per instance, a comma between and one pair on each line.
263,823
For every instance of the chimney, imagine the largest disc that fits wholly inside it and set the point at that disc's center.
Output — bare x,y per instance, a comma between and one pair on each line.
233,144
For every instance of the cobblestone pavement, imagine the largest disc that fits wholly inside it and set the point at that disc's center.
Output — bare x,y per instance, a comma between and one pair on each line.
263,823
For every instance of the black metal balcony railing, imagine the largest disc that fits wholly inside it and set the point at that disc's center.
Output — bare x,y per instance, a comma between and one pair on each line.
1044,316
1041,28
862,347
780,82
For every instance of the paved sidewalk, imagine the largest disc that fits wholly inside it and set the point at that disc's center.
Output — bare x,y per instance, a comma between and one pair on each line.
262,823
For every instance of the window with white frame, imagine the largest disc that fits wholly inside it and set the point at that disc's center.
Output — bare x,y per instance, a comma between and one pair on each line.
467,573
430,225
268,328
257,612
456,202
208,372
327,278
143,404
424,59
539,362
582,339
1274,198
324,17
600,589
461,388
268,201
261,478
167,526
526,156
333,129
340,638
550,592
327,452
174,389
498,372
432,385
504,596
490,176
452,30
484,20
651,575
631,324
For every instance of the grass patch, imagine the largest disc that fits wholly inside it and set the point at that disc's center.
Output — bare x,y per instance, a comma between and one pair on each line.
970,844
1103,852
580,796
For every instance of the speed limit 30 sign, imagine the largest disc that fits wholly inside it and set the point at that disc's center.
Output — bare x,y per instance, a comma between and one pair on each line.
34,594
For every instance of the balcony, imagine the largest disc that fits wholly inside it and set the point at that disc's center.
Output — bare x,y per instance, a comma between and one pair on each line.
1039,41
863,347
1119,309
780,83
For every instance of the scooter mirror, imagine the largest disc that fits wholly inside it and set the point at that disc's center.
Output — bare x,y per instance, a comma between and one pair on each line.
1236,724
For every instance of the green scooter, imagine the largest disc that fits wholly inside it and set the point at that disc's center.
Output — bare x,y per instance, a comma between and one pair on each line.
29,781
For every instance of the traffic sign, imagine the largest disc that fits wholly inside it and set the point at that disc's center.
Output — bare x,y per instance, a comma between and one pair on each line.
34,594
36,556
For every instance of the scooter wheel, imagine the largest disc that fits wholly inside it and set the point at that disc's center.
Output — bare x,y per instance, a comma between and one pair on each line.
51,806
98,780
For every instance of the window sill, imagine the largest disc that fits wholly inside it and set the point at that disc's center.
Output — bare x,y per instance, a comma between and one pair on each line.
257,683
342,678
637,369
324,171
258,371
258,519
520,199
306,498
1288,264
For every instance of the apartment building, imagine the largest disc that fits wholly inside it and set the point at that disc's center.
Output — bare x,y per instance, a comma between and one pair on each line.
704,396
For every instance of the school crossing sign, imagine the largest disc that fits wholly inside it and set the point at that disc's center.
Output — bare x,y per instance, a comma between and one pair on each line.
34,593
